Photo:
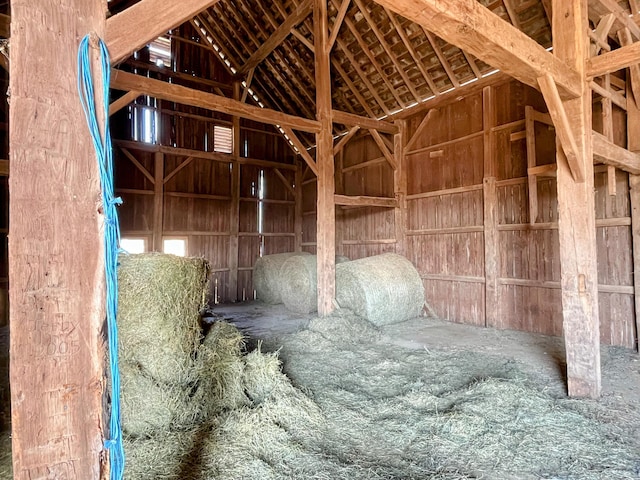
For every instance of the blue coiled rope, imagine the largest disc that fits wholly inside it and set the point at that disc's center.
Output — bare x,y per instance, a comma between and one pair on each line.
111,232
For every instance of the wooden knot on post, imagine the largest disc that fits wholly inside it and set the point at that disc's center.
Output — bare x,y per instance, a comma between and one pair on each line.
582,284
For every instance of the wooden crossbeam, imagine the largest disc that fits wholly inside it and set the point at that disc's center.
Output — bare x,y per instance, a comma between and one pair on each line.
277,37
247,82
613,61
364,201
609,93
490,39
624,36
600,34
345,139
350,119
338,23
122,102
383,148
424,124
188,96
138,165
620,15
607,152
285,182
145,21
302,150
563,127
175,171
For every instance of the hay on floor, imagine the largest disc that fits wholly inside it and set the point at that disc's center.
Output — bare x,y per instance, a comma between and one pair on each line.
267,281
160,298
299,281
384,289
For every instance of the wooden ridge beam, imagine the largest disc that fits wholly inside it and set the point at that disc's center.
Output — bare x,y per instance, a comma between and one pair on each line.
607,152
145,21
614,60
188,96
474,28
562,125
351,120
298,15
365,201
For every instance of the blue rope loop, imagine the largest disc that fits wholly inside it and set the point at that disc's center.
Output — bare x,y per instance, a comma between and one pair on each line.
102,145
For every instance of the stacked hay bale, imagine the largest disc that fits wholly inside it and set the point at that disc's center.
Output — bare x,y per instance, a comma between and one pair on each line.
299,282
267,280
160,298
384,289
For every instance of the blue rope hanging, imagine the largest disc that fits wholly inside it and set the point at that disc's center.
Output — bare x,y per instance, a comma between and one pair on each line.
111,232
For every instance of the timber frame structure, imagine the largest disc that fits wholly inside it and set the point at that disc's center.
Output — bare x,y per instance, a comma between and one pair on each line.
375,66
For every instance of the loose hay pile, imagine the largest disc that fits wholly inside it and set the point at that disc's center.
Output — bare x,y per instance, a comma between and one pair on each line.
267,281
383,289
299,282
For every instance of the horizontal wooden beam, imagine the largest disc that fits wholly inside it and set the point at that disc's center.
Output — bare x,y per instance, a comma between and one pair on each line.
351,120
607,152
145,21
475,29
363,201
188,96
613,61
301,12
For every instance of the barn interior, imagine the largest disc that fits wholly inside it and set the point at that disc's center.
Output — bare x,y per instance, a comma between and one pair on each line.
494,144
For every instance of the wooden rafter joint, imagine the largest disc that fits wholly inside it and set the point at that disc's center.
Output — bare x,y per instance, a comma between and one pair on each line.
562,125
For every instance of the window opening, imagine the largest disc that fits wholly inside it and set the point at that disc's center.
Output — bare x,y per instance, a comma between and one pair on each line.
175,246
133,245
222,139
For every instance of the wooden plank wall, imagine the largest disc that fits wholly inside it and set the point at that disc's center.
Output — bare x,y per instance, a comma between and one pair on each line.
197,200
446,230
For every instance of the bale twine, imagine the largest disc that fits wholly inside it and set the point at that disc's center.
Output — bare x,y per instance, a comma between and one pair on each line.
384,289
299,287
267,281
160,298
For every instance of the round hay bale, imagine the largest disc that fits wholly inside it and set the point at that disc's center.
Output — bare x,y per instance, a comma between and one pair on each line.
266,276
149,406
384,289
160,298
299,282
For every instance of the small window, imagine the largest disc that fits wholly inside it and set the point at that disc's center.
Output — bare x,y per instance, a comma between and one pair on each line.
133,245
175,246
160,52
222,139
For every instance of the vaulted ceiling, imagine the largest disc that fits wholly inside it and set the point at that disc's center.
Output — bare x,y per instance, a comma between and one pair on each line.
381,62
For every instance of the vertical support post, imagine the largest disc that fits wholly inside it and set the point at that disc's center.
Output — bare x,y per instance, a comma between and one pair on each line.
340,213
158,201
576,208
490,200
234,207
56,247
326,222
400,186
607,131
298,215
633,144
532,179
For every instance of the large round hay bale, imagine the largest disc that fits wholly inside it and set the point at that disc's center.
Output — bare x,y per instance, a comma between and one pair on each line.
383,289
160,298
267,281
299,282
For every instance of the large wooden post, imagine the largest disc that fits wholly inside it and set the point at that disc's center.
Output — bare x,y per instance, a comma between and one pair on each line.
158,202
633,144
326,223
400,187
576,205
56,259
490,206
234,208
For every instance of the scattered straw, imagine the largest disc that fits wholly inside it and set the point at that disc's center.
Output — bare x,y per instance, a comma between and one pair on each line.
383,289
266,276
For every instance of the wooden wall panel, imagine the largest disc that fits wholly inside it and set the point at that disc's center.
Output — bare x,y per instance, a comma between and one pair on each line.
461,302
